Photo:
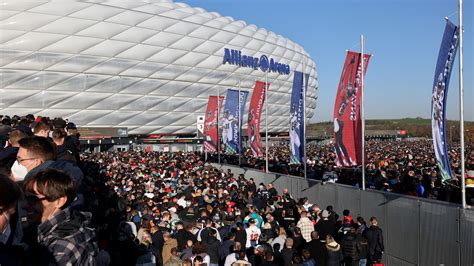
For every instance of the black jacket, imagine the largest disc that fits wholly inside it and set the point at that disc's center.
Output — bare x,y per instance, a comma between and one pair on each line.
374,236
334,255
318,251
241,237
324,228
214,249
182,236
349,247
362,246
287,255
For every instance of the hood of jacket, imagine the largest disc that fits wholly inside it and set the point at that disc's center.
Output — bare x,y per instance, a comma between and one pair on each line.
333,246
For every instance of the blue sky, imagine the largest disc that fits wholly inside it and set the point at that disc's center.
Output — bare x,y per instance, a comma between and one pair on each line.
403,35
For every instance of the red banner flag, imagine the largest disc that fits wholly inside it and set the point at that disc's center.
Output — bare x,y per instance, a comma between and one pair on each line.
255,112
347,121
210,124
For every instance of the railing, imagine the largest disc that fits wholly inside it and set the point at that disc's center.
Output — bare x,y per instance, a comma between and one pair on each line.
416,231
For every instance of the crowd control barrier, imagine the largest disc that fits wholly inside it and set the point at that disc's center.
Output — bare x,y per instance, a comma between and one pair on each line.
416,231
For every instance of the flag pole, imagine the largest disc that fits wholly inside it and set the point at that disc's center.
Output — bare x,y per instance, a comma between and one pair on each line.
266,121
218,129
239,145
362,108
304,120
461,107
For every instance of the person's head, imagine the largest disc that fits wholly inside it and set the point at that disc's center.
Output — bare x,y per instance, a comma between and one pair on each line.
314,235
146,238
306,254
304,214
189,243
199,248
373,220
242,254
187,262
15,136
237,246
329,239
212,232
47,192
41,130
282,231
198,260
289,242
10,193
269,217
58,136
174,251
269,255
346,212
251,222
35,151
325,214
297,231
59,123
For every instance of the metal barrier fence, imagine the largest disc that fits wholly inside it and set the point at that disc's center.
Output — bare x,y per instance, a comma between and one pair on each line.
416,231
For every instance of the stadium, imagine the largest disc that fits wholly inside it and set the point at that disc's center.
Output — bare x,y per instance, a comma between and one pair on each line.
148,66
136,184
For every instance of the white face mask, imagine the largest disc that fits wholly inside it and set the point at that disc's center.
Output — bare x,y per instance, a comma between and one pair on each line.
19,171
6,232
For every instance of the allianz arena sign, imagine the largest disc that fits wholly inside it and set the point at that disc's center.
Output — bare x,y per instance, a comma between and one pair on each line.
235,57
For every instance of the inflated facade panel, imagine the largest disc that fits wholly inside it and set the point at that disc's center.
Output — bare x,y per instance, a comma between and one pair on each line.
146,65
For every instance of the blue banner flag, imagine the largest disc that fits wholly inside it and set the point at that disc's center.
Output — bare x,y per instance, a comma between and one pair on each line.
446,56
232,129
297,121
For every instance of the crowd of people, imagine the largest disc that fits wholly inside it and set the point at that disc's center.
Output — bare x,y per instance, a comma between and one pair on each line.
401,166
150,208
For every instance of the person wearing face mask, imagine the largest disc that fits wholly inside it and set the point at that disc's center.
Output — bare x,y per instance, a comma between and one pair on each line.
8,155
64,237
11,250
38,153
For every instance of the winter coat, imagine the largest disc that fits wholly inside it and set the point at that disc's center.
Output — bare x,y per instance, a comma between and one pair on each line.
334,254
349,247
214,249
173,261
182,236
362,246
287,255
66,239
324,228
169,244
374,236
318,251
241,237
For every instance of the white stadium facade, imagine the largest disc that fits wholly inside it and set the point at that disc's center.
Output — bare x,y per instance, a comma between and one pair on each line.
148,66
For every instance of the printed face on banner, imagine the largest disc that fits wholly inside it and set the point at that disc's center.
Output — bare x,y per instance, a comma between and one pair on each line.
210,124
231,127
347,122
446,56
296,120
255,111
